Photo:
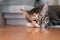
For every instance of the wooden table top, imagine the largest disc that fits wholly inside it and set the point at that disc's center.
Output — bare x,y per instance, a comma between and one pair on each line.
25,33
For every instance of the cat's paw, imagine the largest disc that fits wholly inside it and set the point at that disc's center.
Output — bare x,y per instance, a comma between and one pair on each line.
37,25
29,25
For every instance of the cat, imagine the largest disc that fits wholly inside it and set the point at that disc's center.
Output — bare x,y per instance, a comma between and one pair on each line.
37,17
41,16
54,16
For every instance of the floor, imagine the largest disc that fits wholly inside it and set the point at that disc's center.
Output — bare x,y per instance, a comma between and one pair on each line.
25,33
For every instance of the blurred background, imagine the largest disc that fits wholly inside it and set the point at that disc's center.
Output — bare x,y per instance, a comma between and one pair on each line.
10,13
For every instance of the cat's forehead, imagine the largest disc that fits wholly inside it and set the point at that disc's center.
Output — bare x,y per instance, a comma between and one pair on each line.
36,10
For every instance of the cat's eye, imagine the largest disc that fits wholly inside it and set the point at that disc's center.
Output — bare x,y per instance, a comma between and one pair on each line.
35,21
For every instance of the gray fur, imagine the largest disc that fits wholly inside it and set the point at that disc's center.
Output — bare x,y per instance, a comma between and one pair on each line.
53,16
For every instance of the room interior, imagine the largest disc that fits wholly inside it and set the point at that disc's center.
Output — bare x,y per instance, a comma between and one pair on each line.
11,14
13,22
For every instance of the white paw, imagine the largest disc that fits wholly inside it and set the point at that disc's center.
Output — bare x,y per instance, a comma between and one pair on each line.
29,25
37,25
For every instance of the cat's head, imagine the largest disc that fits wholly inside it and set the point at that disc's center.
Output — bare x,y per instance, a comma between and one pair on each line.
31,16
35,15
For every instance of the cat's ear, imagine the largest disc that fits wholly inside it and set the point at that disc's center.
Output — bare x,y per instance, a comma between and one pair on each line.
45,9
25,12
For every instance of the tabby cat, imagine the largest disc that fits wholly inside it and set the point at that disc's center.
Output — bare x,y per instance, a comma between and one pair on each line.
54,16
38,16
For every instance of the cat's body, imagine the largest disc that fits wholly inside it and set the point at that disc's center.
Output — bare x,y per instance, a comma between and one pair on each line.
54,18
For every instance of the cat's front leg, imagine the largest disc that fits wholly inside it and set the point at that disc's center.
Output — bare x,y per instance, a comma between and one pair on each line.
43,26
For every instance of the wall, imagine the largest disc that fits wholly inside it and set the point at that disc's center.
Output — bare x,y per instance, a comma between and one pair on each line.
59,2
1,17
18,2
12,7
7,4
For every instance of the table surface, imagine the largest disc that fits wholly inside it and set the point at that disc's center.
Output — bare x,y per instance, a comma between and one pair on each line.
25,33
